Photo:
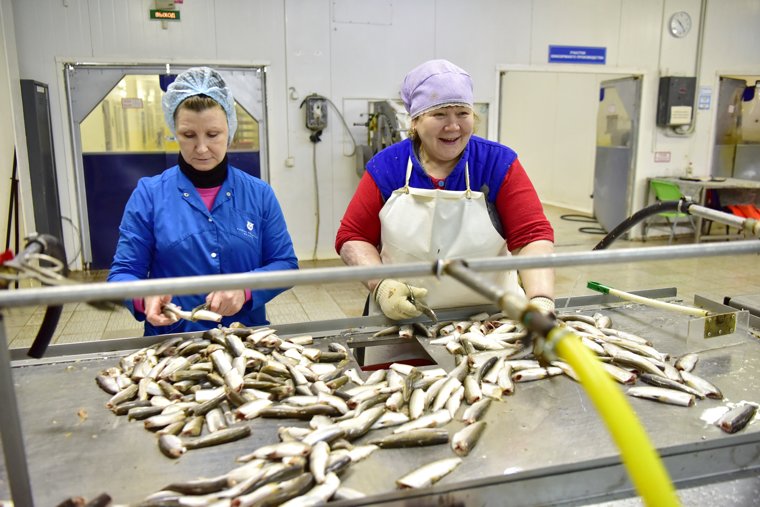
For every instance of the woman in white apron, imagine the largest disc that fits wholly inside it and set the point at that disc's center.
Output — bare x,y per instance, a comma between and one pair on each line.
442,194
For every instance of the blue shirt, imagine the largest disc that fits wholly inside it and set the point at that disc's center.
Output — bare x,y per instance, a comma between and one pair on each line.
167,231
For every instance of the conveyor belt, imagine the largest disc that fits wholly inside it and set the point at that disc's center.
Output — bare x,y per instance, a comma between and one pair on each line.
544,444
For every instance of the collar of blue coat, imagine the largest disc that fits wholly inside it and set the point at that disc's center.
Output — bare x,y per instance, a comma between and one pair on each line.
189,191
204,179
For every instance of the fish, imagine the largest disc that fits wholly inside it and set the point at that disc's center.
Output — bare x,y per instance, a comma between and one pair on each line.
475,411
317,495
278,451
465,439
275,493
198,313
662,395
658,381
171,446
432,420
701,385
360,425
125,394
687,362
472,391
428,474
446,390
326,433
218,437
621,375
344,493
360,452
161,420
390,419
417,403
736,418
531,374
414,438
108,383
318,457
452,405
386,331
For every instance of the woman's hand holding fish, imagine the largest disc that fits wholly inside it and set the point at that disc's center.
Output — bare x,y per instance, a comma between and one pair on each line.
154,314
226,302
396,299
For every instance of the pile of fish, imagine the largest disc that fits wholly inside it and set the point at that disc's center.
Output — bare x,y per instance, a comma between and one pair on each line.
625,356
202,391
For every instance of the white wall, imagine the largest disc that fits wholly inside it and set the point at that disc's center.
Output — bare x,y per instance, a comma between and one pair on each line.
12,129
360,49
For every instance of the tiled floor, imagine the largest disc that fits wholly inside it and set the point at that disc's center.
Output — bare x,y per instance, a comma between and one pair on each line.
720,276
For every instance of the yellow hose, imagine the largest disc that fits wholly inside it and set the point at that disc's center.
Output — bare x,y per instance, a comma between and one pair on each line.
648,474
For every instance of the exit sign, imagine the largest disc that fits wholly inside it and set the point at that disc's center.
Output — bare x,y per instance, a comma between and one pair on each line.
164,15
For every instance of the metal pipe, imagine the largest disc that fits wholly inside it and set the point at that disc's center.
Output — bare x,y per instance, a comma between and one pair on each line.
748,225
103,291
11,434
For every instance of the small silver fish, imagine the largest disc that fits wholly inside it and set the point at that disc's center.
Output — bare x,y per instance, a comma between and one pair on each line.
465,439
687,362
415,438
662,395
475,411
428,474
171,446
701,385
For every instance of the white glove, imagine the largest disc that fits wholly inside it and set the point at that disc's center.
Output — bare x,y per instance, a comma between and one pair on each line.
395,299
544,304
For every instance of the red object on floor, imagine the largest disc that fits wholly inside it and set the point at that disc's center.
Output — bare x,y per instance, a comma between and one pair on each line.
745,210
410,362
750,211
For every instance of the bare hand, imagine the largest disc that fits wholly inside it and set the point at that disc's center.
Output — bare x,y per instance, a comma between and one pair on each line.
154,313
226,302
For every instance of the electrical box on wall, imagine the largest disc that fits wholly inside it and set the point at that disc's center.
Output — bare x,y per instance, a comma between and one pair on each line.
316,112
675,101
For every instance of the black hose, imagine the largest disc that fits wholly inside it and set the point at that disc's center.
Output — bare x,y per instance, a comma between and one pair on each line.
47,244
658,207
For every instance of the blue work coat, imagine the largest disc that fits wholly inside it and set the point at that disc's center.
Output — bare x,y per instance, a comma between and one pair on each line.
167,231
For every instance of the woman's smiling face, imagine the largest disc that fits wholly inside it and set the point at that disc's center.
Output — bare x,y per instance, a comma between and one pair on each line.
444,132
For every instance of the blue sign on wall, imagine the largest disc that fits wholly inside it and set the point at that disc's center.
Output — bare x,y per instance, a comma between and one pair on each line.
577,54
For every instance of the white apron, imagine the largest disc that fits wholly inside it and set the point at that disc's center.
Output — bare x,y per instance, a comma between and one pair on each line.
427,224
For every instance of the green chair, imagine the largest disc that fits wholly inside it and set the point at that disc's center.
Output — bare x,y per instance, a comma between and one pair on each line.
669,191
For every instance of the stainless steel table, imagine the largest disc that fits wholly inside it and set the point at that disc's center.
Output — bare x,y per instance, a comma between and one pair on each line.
543,445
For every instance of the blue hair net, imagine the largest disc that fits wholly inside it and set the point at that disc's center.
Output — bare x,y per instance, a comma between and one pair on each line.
200,81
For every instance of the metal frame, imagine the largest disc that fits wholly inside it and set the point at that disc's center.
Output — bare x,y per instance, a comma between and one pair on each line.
10,424
255,106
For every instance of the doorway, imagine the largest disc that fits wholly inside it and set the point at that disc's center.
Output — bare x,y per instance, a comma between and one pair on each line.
736,151
119,136
549,117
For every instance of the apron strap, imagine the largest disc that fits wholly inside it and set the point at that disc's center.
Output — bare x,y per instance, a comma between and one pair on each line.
408,174
468,193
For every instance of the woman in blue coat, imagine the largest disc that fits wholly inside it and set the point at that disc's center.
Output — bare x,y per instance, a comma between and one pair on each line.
202,216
